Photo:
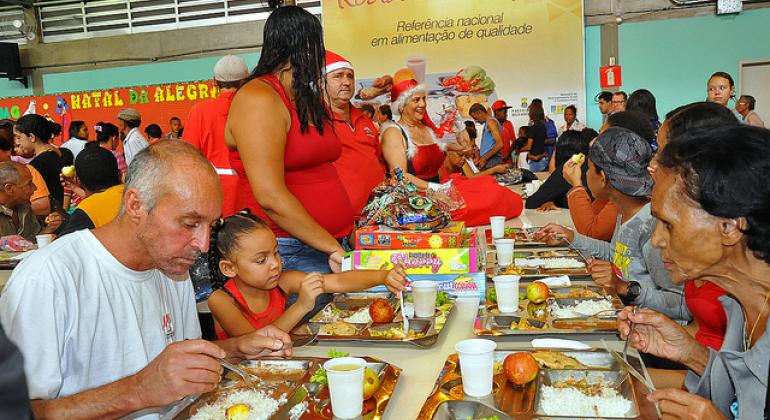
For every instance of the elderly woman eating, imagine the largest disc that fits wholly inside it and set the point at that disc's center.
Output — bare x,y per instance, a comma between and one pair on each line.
711,200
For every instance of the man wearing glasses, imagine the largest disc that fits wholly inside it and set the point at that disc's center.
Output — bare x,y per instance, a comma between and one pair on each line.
619,99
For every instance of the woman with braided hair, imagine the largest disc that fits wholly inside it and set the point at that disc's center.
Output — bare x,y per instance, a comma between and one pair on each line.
250,287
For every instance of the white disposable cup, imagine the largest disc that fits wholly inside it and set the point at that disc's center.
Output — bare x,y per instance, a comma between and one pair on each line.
497,224
43,240
477,357
424,295
504,248
346,388
529,188
507,290
416,64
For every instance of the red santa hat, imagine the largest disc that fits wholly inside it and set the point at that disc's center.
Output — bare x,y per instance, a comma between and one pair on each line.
402,91
335,61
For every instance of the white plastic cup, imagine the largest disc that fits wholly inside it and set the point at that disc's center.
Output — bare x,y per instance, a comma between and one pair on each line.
477,358
504,249
424,295
43,240
529,188
507,290
417,64
346,388
497,224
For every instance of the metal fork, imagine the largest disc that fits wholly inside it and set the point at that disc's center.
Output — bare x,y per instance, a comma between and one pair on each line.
565,239
240,372
630,331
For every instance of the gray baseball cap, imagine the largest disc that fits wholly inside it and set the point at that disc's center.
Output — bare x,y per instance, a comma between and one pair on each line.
624,156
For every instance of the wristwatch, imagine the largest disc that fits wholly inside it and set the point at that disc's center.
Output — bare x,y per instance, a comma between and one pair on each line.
634,290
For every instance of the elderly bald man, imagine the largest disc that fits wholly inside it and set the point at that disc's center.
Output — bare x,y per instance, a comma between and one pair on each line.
106,318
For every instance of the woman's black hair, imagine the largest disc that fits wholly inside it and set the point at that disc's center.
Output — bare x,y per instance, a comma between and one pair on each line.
75,129
725,171
569,143
634,121
105,131
696,116
33,124
294,36
643,101
224,240
571,107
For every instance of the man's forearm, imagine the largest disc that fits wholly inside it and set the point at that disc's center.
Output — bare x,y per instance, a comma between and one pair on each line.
696,357
111,401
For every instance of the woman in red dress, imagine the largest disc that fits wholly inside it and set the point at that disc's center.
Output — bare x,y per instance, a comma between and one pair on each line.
282,143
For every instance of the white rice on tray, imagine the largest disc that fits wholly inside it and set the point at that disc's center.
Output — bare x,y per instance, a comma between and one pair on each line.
584,308
549,263
261,406
571,402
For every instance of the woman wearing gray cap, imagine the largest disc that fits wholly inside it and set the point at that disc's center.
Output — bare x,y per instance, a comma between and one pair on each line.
711,200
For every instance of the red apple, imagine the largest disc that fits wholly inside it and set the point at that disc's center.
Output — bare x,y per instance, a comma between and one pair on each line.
520,368
381,311
537,292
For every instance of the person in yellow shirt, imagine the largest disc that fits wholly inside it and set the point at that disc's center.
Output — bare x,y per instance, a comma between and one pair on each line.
97,173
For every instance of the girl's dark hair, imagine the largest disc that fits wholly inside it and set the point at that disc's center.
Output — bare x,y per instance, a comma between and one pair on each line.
294,36
697,116
33,124
569,143
224,240
470,127
724,75
104,131
643,101
75,128
725,171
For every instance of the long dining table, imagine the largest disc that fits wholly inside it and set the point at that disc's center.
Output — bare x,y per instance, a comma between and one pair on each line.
421,366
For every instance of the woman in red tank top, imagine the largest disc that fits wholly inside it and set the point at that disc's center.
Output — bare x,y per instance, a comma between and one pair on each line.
279,132
411,144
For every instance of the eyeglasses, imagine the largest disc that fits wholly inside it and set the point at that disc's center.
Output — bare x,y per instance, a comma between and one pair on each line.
618,102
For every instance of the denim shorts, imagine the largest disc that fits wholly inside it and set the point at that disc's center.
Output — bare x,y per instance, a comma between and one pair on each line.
298,256
539,165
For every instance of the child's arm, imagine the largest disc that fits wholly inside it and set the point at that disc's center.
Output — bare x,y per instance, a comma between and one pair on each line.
307,287
351,281
228,314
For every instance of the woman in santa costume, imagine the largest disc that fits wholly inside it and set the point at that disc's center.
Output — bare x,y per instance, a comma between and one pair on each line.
410,144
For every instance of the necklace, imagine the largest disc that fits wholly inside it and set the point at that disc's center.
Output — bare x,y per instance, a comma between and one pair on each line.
747,341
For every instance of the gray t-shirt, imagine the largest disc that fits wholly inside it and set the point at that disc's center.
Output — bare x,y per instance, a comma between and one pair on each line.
735,379
634,258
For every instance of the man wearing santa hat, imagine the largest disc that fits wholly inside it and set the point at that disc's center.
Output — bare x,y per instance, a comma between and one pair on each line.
360,166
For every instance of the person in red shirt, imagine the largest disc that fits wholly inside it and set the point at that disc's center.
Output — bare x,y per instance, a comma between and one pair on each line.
206,121
500,109
360,166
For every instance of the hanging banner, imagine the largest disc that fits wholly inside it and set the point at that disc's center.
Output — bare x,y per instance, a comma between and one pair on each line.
156,104
464,51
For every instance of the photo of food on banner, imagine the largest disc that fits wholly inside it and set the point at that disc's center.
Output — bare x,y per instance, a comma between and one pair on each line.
396,203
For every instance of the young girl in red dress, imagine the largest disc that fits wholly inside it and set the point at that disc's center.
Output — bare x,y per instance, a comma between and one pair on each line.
251,289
